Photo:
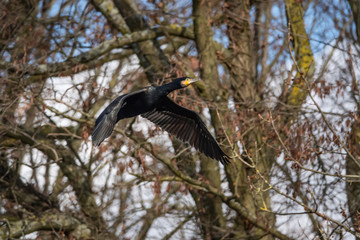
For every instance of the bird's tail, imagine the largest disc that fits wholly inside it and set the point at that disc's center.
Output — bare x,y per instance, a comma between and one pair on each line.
102,131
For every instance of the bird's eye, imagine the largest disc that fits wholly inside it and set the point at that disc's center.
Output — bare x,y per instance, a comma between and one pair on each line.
187,81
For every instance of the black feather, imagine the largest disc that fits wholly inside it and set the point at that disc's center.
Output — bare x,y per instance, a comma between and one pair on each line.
152,103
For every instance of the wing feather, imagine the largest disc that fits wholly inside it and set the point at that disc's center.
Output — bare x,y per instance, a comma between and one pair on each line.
187,126
105,123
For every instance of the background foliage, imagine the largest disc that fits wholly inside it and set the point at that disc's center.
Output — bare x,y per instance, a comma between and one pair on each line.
280,92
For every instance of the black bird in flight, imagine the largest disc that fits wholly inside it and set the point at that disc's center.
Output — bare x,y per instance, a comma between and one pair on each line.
153,103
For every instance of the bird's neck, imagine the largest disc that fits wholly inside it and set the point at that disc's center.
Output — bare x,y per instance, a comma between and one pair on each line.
168,88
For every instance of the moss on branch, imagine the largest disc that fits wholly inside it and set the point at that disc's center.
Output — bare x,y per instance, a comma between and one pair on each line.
303,54
48,221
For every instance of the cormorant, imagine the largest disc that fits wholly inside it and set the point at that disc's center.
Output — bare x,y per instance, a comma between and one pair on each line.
153,103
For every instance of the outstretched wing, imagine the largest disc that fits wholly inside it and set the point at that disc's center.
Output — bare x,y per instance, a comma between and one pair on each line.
187,126
105,123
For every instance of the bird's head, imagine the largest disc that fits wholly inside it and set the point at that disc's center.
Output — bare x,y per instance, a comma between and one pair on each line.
186,81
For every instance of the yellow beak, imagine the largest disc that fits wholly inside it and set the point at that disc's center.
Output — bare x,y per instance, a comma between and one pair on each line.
191,80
